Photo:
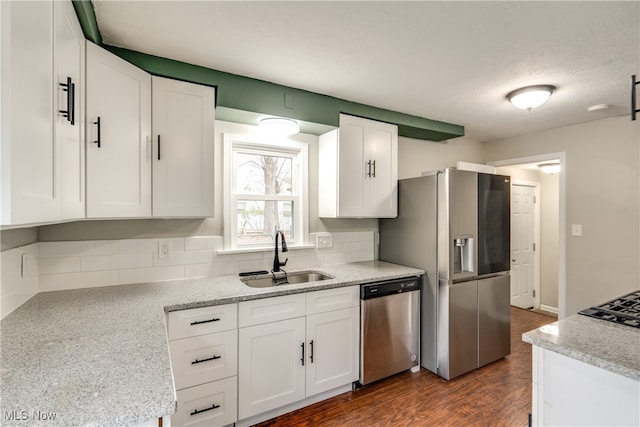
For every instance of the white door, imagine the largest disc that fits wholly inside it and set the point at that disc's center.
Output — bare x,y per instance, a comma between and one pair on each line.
271,371
522,245
333,349
119,117
183,120
69,67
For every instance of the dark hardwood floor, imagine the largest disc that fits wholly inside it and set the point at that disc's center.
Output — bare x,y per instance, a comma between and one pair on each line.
498,394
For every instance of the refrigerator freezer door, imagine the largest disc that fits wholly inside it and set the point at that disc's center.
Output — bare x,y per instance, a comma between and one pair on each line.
461,354
494,319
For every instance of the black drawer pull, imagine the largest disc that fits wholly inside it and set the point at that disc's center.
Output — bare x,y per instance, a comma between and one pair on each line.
302,358
311,353
211,408
97,141
200,322
206,360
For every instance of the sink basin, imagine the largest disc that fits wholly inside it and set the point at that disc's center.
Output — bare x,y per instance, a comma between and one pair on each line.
292,278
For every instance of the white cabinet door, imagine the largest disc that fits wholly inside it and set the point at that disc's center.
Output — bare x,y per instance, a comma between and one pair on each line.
353,185
333,350
183,120
383,153
119,117
271,370
30,176
363,183
68,77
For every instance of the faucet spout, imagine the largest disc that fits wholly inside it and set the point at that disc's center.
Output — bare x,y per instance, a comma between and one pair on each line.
276,260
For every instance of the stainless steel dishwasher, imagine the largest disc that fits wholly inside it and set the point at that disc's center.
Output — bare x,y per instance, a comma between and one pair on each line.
389,328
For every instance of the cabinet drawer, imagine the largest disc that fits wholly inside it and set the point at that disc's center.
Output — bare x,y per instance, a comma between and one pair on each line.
213,404
333,299
204,358
200,321
270,309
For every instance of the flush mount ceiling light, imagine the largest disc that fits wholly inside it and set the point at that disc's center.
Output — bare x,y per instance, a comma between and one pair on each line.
279,126
550,168
530,97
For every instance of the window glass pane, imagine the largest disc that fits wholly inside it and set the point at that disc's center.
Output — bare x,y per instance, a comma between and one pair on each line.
257,220
262,174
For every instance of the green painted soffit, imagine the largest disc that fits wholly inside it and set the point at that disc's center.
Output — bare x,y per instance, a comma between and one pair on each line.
236,92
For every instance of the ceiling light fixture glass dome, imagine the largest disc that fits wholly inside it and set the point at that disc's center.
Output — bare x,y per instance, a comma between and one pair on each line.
530,97
279,126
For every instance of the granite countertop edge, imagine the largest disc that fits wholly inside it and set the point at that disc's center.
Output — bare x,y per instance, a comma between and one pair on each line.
107,352
592,341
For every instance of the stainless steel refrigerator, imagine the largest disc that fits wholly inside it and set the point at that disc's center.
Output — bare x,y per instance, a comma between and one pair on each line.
455,225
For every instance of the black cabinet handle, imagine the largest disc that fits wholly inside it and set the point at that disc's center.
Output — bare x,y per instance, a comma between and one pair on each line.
369,169
206,360
158,147
98,140
302,358
374,168
68,87
210,408
634,110
200,322
72,112
311,352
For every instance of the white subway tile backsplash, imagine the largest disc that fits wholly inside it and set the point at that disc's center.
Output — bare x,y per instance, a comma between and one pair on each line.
116,262
83,279
60,265
56,266
199,243
80,248
185,258
153,274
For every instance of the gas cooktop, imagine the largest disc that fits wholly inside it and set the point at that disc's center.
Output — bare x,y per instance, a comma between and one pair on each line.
624,310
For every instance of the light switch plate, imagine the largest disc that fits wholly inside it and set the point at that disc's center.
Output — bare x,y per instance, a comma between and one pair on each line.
576,230
324,241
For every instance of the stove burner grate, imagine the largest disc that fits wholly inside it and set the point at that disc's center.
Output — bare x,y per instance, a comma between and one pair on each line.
624,310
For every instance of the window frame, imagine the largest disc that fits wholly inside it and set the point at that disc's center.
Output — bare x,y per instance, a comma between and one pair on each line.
266,144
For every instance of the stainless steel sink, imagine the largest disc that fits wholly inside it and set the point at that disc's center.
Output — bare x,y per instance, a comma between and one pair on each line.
289,279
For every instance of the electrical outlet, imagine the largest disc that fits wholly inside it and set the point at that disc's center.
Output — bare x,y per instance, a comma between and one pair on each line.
24,265
324,241
164,249
576,230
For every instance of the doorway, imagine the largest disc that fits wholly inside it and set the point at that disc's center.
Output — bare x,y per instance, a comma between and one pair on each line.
538,254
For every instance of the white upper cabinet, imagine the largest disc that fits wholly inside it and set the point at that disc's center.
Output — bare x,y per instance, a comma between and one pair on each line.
69,65
118,137
183,148
358,170
42,150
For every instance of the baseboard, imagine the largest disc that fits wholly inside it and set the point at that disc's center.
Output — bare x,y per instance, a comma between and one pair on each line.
549,308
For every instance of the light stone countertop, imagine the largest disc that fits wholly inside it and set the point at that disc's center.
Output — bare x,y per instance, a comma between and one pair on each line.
100,356
613,347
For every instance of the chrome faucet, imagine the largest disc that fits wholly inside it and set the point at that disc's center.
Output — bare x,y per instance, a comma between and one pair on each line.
276,261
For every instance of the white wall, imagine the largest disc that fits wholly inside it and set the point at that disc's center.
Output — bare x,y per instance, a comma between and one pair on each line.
416,156
602,194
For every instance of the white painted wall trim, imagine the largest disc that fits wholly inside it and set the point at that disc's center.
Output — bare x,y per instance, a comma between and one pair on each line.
549,308
562,238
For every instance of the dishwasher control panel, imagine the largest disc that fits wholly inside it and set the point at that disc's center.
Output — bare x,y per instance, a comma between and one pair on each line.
375,290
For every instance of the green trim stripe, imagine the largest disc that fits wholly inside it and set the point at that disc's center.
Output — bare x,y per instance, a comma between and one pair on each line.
258,96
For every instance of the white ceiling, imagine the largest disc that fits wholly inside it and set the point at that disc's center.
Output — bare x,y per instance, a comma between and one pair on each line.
450,61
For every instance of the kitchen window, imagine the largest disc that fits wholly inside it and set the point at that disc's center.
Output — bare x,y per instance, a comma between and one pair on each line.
265,189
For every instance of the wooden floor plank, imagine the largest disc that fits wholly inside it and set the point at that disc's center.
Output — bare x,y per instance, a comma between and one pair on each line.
498,394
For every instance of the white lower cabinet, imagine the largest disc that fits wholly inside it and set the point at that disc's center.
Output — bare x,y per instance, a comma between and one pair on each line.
203,344
271,366
289,359
207,405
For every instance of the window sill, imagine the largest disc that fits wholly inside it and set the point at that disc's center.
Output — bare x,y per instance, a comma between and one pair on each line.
252,250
